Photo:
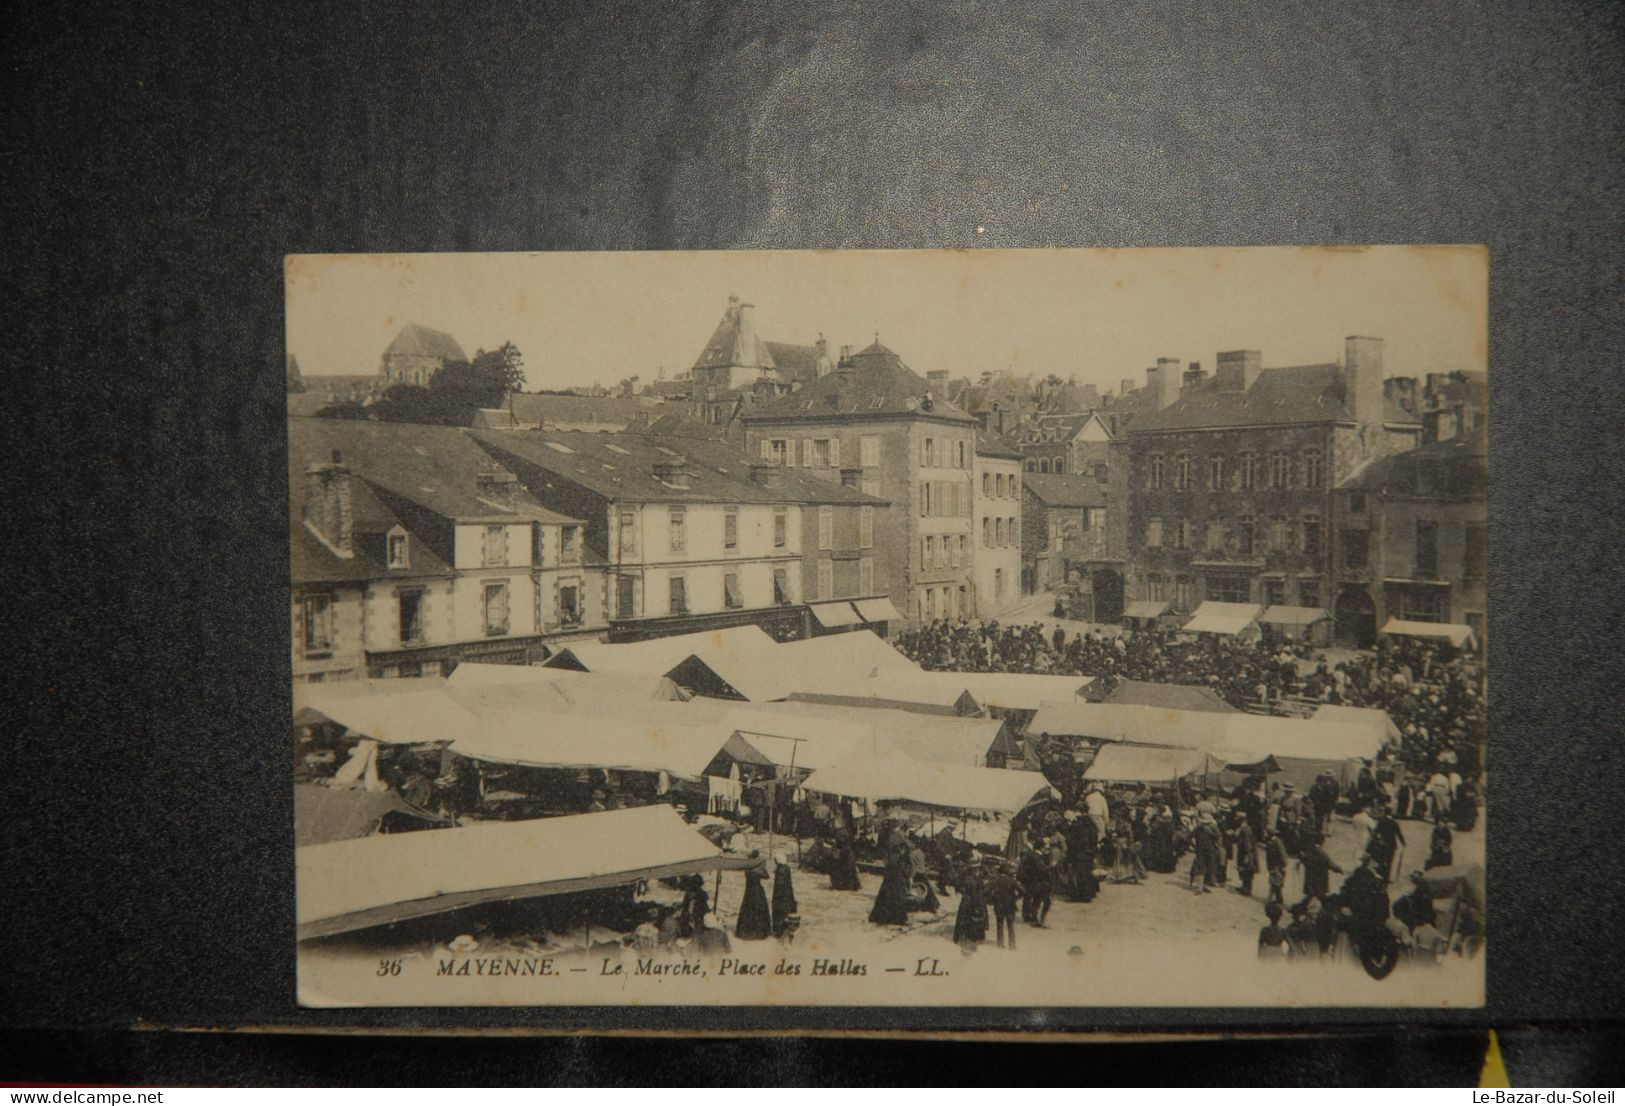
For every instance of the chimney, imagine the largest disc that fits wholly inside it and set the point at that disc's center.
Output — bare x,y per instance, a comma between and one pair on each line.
671,471
937,381
1162,380
766,474
497,486
1362,378
1235,370
1194,376
846,368
1124,387
327,504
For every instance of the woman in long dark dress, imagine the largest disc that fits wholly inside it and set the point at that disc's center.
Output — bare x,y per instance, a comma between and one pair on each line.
755,920
784,898
843,871
1442,847
891,901
1159,843
1081,844
970,924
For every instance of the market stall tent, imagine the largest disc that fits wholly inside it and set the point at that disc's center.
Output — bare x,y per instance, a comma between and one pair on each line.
629,741
967,742
322,814
1456,634
1374,718
1020,690
1227,619
350,885
1146,764
394,711
953,787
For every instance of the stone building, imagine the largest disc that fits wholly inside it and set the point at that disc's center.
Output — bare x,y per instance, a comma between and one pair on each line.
1063,444
1230,479
1063,532
413,550
693,538
996,488
417,353
876,423
738,367
1412,540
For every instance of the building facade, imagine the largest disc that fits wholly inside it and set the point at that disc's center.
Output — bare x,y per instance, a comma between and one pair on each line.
1230,481
417,353
996,490
1063,444
1063,530
692,538
1412,540
413,551
872,423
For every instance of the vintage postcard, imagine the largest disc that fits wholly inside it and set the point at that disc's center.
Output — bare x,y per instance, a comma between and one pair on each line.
939,628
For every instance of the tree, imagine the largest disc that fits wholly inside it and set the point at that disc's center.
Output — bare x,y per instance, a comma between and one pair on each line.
345,409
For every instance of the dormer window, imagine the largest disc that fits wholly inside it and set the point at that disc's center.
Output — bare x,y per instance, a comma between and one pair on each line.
400,555
569,545
496,545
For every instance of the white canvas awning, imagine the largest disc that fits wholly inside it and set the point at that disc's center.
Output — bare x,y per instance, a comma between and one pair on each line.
1373,718
878,610
894,779
1139,764
1146,608
1293,616
1453,632
397,711
625,741
832,616
350,885
1021,690
1228,619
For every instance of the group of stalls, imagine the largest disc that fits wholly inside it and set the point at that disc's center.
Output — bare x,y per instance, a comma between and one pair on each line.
1249,621
715,730
1138,743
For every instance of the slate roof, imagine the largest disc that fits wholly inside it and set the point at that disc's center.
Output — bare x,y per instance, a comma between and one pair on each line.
989,446
622,467
1455,470
614,412
797,364
1071,399
878,383
422,341
1063,490
1066,427
435,467
1296,394
731,344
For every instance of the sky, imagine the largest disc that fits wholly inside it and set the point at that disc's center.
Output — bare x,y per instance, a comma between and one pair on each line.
1097,315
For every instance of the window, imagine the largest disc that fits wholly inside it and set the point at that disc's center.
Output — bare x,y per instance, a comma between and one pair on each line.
1311,535
569,604
731,597
1182,593
781,527
676,529
1032,465
1182,534
1423,604
1356,503
629,534
963,455
318,614
866,527
1427,547
1278,533
496,609
776,450
781,586
1308,593
411,615
928,455
871,487
1215,473
569,545
730,528
987,483
626,596
869,451
826,527
826,578
927,547
1356,548
1244,535
1155,481
399,551
1156,587
1314,469
866,575
954,550
1184,472
925,499
1274,591
823,455
988,530
1475,551
679,595
1153,533
1060,464
496,545
1229,589
1280,469
998,583
1043,466
1247,470
929,603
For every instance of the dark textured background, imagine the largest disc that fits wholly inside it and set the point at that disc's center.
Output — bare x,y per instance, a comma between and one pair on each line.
160,162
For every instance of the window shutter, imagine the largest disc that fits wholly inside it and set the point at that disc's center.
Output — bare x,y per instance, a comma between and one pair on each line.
806,453
767,449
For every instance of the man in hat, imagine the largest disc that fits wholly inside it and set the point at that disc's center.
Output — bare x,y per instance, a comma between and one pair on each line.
1246,853
1002,894
1386,837
1317,866
1275,864
1289,821
1323,798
